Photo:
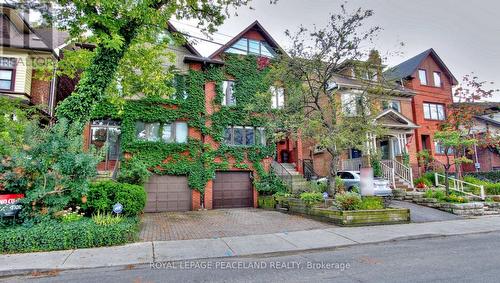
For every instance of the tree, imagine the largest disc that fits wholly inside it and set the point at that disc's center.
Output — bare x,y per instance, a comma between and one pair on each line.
315,107
470,96
14,119
115,27
451,141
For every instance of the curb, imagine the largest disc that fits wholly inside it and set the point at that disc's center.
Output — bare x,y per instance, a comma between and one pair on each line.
47,271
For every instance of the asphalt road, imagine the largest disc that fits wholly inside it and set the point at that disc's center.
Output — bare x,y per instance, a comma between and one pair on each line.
469,258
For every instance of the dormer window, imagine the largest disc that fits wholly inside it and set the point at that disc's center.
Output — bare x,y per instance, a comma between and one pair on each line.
422,75
246,46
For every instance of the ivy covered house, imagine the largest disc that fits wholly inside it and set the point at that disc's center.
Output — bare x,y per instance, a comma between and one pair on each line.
205,146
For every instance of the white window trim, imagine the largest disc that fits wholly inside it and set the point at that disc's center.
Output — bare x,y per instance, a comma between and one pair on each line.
425,76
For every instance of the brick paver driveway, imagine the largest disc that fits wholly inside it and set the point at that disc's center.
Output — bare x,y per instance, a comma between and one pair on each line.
221,223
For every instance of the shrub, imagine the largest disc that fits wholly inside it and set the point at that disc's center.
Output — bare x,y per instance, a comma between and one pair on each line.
134,172
492,177
310,198
103,195
318,187
55,235
455,198
347,201
437,194
489,188
368,203
51,169
106,219
70,215
270,184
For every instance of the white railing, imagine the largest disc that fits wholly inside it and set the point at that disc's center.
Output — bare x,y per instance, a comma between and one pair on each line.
458,185
352,164
388,174
402,171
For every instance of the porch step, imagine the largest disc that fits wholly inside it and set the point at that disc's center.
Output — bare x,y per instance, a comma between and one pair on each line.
299,183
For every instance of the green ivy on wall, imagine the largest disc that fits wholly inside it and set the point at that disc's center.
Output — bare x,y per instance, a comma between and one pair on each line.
194,158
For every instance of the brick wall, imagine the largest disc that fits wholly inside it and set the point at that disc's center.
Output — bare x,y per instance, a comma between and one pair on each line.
40,92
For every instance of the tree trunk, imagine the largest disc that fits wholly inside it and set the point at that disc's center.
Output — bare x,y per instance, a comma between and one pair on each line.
332,184
91,88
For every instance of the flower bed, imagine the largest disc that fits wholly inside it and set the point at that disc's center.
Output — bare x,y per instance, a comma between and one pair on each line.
346,217
55,235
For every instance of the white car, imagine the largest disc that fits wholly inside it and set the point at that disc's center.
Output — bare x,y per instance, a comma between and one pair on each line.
352,180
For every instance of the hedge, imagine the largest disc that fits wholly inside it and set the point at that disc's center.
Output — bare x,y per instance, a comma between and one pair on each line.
103,195
493,176
489,187
54,235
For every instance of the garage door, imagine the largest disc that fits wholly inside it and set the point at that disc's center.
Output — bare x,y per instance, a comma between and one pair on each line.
168,193
232,189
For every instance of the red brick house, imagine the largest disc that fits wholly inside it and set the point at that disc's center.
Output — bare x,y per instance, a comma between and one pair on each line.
427,75
170,188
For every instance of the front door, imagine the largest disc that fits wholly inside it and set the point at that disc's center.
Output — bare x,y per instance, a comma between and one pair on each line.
385,149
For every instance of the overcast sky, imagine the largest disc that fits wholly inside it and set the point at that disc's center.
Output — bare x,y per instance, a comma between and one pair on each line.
465,34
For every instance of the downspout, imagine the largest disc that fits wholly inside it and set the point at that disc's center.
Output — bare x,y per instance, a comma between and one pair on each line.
52,94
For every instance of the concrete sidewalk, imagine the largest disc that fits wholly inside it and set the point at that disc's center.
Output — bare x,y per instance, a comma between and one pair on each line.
162,251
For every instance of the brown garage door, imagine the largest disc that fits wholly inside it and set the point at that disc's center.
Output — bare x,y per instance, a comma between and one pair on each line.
232,189
168,193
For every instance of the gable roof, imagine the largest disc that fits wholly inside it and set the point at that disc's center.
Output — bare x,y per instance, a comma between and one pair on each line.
186,44
393,119
408,67
18,33
253,26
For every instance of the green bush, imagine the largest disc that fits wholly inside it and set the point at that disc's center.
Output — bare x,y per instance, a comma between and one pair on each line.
489,188
492,177
368,203
106,219
339,184
311,198
55,235
103,195
320,187
347,201
441,196
270,184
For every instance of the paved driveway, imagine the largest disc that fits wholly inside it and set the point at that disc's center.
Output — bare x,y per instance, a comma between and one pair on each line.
419,213
221,223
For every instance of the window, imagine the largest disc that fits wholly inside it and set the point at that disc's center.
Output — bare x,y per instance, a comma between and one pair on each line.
148,131
439,149
437,79
354,104
179,85
169,133
239,135
228,90
434,111
278,97
7,73
392,104
422,75
247,46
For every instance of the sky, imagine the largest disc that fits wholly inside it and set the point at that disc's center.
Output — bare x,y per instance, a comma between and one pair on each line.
465,34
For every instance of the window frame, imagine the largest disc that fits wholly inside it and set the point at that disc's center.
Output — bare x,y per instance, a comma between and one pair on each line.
231,142
173,132
437,145
12,69
261,45
426,83
276,94
434,78
434,106
225,100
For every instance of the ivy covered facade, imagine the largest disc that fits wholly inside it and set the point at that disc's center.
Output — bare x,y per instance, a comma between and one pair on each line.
209,138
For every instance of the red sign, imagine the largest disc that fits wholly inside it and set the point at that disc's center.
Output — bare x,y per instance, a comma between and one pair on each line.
10,198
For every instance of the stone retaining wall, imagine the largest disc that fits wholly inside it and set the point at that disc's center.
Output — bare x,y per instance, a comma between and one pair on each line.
464,209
